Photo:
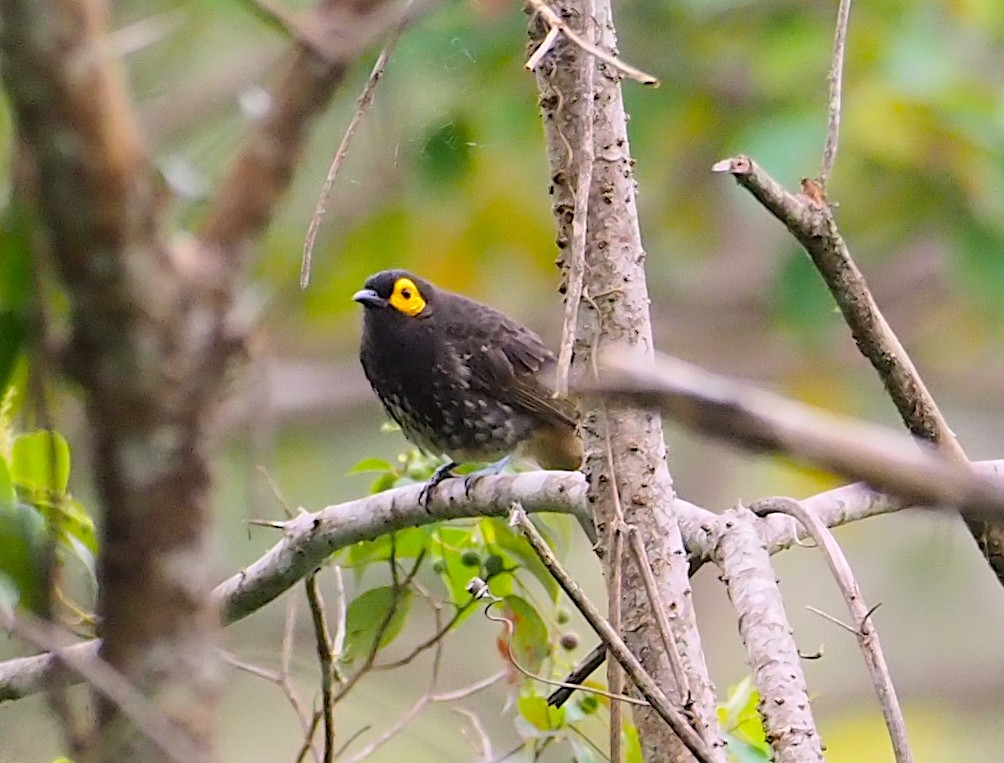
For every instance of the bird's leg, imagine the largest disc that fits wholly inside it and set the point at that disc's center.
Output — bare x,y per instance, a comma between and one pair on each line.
495,468
443,472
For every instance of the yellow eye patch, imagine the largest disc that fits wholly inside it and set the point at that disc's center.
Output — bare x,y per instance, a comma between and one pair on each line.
406,298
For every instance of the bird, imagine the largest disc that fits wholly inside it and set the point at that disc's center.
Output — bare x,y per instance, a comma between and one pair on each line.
463,380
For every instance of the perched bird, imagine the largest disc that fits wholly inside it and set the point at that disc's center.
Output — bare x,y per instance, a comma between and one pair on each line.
460,378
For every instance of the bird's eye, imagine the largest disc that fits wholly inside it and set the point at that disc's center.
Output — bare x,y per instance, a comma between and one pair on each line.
407,297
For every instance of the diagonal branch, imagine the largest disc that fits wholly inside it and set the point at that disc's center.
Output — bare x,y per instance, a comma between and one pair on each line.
765,423
810,220
864,628
248,195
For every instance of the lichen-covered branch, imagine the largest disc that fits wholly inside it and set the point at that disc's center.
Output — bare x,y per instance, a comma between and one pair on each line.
151,330
142,342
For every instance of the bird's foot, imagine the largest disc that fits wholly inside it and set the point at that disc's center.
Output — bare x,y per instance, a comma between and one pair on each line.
471,479
443,472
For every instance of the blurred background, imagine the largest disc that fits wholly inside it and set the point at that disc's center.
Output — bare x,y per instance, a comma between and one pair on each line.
448,177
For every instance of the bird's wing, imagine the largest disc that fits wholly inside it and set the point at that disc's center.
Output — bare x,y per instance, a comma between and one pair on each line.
508,358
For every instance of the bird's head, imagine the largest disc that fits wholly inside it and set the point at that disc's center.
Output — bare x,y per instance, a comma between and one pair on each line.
398,291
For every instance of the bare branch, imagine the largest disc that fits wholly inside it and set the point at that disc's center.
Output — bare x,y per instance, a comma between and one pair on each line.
310,538
864,629
362,108
326,662
247,196
554,21
810,220
766,634
646,686
765,423
113,685
836,86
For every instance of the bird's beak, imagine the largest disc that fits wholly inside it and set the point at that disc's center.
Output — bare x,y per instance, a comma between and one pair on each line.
368,298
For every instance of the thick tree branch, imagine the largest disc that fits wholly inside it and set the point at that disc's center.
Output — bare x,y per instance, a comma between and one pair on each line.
248,194
770,648
315,536
142,341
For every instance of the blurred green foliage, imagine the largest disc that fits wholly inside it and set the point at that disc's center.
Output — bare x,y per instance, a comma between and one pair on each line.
448,176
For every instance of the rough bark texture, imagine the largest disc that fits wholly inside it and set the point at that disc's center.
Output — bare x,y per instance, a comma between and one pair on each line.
614,310
152,333
136,321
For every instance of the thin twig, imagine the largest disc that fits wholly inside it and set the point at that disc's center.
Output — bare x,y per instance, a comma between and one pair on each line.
397,585
363,104
326,661
836,86
578,675
583,185
484,748
543,49
637,546
481,591
646,686
430,642
555,21
865,631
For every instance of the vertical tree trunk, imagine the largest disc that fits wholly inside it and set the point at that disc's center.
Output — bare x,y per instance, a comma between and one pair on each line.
614,311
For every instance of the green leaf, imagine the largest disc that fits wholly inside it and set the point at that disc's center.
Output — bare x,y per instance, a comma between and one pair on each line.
448,549
8,496
369,465
22,543
739,718
535,710
40,460
366,617
407,544
529,642
76,523
509,545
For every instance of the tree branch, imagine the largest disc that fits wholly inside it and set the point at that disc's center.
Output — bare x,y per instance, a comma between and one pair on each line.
864,629
310,538
770,648
810,220
765,423
248,194
592,126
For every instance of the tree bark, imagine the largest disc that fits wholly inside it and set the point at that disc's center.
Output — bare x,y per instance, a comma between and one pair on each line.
614,311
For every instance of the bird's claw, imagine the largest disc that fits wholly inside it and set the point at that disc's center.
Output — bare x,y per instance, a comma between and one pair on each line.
443,472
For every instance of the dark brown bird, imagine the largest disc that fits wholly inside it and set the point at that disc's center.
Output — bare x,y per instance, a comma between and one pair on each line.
460,378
